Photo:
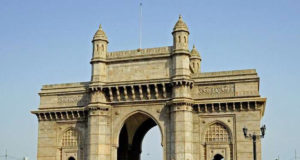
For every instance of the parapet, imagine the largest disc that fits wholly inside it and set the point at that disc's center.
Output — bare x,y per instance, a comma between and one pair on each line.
139,53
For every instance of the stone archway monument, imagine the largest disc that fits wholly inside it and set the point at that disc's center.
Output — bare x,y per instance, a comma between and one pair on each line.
200,114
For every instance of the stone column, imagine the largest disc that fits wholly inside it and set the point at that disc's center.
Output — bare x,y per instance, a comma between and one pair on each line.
181,132
99,129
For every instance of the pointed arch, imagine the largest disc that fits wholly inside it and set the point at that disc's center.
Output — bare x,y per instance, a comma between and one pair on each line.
70,138
217,131
102,48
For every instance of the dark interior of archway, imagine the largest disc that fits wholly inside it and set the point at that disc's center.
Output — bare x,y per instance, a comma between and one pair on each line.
218,157
133,151
71,158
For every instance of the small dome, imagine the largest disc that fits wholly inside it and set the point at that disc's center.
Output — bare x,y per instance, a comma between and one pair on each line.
195,52
100,35
180,25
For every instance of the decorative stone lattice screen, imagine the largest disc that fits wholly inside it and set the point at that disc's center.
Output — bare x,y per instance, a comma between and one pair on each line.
70,138
217,133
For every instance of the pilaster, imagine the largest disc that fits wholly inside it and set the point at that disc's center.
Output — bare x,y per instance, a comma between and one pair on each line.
181,131
99,127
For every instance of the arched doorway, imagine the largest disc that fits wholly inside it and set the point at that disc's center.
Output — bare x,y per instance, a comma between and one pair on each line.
71,158
218,157
132,134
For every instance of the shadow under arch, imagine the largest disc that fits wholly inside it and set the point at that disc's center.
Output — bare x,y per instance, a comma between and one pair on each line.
218,157
131,134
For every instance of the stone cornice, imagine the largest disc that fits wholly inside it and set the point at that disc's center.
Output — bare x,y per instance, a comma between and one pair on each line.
78,114
182,82
181,51
148,57
225,73
180,101
230,105
98,59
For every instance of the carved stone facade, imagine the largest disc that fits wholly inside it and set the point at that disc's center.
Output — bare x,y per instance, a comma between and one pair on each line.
200,114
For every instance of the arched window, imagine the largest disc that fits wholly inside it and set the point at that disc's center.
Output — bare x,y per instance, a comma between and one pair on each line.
184,39
217,133
179,38
102,48
97,47
70,138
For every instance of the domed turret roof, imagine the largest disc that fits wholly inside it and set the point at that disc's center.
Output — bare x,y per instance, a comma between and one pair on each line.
180,25
100,35
195,52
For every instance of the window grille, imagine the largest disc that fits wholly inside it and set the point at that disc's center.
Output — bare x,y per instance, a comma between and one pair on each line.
70,138
217,133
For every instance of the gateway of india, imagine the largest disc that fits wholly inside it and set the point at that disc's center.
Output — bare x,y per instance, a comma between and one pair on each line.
200,115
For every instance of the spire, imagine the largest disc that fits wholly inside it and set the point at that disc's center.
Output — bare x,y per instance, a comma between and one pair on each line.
100,35
180,25
195,52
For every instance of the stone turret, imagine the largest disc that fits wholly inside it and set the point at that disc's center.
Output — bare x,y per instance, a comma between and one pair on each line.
180,35
195,61
100,43
181,52
180,107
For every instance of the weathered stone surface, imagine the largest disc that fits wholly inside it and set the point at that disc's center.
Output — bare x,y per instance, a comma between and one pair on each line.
199,114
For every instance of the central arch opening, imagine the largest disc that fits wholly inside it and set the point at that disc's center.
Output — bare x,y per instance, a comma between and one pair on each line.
132,135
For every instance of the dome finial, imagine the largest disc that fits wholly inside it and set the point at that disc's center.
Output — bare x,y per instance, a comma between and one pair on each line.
180,25
195,52
100,35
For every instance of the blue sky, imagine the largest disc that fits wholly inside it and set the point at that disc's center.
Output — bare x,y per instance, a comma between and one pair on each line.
46,42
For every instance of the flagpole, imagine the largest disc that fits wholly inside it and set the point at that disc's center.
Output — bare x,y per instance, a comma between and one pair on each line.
140,47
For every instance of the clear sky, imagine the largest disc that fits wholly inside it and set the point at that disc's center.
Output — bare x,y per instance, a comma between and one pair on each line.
47,42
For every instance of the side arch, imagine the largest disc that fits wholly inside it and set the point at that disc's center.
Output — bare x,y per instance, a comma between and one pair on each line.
217,122
74,136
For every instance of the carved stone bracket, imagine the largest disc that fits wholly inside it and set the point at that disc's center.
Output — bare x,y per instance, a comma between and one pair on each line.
56,115
137,92
183,83
229,106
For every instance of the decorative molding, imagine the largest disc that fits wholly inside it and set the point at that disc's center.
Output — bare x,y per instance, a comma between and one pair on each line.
214,91
69,99
56,115
233,106
135,92
138,53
